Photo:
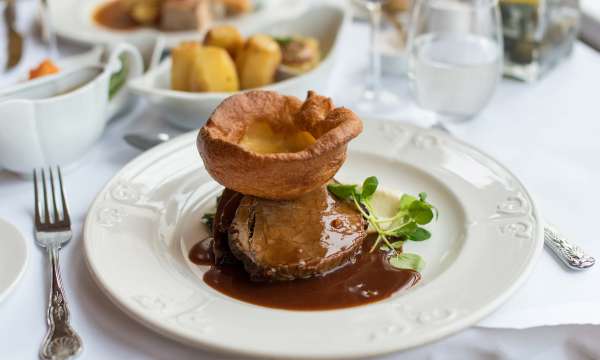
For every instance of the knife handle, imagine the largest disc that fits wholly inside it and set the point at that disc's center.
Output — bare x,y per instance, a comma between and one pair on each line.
572,255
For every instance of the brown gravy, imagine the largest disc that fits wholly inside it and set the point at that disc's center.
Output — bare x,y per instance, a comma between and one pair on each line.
368,280
113,16
201,253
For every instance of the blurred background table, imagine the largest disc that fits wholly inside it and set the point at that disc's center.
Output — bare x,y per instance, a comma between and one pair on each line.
545,132
590,25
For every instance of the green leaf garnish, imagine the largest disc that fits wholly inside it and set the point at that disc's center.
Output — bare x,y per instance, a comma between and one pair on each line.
410,231
419,234
406,200
118,79
283,41
369,187
341,191
407,261
421,212
404,230
209,220
397,245
404,225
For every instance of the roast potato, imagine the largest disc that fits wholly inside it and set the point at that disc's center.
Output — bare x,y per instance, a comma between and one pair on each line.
200,68
183,58
213,70
145,12
226,37
257,61
236,7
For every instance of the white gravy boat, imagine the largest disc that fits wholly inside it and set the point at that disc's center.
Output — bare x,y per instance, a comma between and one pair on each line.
54,120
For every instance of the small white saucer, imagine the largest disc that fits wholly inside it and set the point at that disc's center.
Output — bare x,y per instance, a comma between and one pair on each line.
13,257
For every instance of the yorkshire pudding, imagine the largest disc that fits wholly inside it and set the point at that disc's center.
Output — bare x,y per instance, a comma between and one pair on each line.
273,146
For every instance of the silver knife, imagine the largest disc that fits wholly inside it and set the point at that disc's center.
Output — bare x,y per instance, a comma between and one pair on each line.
570,254
14,47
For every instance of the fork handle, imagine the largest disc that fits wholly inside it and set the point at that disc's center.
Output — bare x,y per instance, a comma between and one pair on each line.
61,341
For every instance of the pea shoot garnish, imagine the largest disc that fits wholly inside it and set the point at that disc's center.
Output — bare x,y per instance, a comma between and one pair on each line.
405,224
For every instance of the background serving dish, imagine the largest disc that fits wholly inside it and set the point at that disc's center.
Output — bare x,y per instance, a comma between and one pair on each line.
190,110
55,119
73,20
145,220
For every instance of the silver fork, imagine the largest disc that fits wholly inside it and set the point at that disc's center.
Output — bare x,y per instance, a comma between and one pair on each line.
52,231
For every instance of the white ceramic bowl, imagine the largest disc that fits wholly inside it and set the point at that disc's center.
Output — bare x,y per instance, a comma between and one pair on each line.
55,119
190,110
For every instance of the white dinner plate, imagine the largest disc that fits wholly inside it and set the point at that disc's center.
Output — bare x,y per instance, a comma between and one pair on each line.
142,224
13,257
72,19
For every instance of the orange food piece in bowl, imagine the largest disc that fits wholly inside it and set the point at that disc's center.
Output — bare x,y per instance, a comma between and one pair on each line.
46,67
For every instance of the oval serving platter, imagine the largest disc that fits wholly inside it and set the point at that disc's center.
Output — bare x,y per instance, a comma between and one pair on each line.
142,224
73,20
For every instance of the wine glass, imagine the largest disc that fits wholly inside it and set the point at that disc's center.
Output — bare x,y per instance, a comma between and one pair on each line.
372,98
455,56
48,33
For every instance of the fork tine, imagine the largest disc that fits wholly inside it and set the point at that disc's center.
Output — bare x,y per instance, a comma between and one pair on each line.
38,219
51,175
46,210
65,208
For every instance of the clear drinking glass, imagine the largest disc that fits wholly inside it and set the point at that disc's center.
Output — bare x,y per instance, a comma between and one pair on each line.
455,56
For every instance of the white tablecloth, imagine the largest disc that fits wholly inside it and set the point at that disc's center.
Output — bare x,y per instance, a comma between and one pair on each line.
545,132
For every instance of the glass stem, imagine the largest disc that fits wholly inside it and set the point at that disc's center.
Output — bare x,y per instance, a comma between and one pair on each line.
50,35
374,70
